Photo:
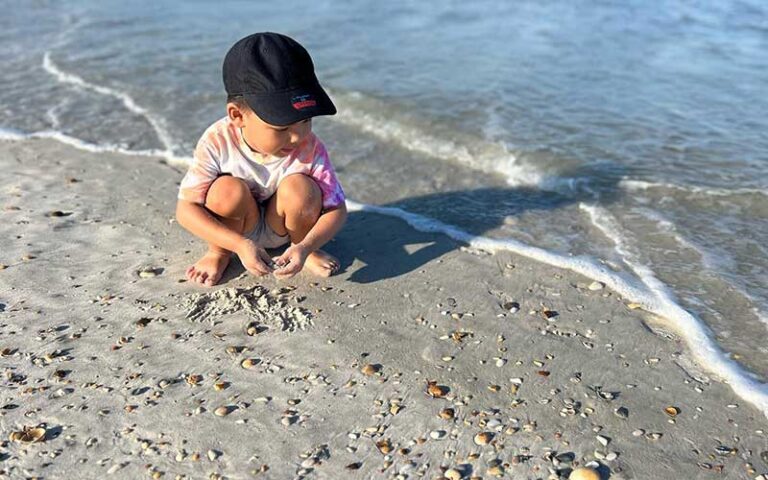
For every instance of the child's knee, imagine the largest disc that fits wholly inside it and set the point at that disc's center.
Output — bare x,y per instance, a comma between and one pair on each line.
300,194
227,196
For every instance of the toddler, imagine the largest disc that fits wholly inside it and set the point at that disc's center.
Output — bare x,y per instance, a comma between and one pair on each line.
260,178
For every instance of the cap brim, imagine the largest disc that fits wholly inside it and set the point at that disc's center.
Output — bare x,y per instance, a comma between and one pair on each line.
291,106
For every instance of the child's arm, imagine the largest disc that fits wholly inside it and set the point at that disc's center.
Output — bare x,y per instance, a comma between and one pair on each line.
201,223
327,226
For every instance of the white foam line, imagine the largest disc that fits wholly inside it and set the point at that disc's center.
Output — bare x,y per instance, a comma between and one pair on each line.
657,302
7,134
654,298
502,161
634,185
692,329
130,104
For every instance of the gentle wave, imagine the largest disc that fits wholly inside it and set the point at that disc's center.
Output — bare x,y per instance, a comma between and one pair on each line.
157,124
8,134
634,185
707,259
659,299
494,158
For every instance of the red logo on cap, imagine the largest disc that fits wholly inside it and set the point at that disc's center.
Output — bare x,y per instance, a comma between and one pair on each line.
303,101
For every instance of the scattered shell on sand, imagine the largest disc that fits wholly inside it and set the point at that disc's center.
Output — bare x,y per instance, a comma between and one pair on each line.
223,411
219,386
28,435
437,434
452,474
621,412
512,307
371,369
150,272
584,473
437,391
447,413
672,411
596,285
249,363
384,446
194,380
496,471
483,438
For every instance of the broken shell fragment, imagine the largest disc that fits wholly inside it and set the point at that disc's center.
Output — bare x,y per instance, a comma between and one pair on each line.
223,411
28,435
384,446
452,474
249,363
447,413
437,391
584,473
483,438
371,369
672,411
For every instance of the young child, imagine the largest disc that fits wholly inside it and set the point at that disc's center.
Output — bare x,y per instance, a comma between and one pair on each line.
260,178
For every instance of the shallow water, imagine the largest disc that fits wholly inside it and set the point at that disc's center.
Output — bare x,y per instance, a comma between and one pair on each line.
635,135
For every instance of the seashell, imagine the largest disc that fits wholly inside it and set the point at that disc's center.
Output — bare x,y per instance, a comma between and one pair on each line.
621,412
596,286
394,409
672,411
548,314
437,434
543,373
584,473
437,391
496,471
223,411
250,363
483,438
29,435
452,474
370,369
354,466
447,413
384,446
219,386
194,380
512,307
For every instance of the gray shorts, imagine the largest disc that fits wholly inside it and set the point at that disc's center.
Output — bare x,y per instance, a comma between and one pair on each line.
263,235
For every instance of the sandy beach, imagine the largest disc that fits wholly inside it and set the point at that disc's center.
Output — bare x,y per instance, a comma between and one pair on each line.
421,359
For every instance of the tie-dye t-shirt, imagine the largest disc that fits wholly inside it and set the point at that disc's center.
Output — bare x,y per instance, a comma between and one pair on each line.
222,149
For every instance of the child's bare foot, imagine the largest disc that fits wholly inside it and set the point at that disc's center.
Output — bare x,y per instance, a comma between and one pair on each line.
208,270
321,263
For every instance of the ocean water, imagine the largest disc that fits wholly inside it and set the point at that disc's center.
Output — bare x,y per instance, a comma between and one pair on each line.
625,140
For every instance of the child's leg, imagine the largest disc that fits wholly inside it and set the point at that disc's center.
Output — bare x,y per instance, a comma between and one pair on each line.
231,202
294,210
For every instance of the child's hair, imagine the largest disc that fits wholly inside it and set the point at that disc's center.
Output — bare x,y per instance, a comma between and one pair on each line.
238,100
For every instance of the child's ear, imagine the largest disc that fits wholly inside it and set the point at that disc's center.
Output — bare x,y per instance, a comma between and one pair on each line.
235,114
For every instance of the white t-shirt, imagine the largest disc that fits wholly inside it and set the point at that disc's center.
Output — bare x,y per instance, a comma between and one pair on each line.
222,149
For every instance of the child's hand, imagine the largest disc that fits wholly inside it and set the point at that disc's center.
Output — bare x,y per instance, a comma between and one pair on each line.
291,261
254,258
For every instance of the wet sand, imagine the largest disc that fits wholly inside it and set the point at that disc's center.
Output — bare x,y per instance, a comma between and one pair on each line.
421,359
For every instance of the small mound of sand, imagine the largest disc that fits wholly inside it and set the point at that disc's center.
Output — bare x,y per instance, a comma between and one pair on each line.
263,307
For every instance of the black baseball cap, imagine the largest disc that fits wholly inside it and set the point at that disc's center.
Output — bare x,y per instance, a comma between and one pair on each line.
276,77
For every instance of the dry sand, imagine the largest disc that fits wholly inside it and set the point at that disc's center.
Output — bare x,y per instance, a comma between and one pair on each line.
127,372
